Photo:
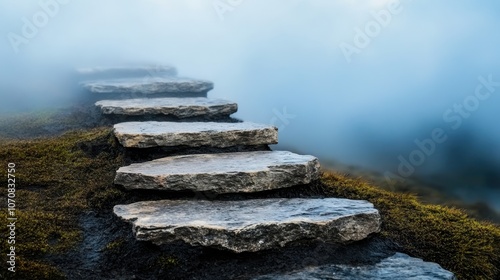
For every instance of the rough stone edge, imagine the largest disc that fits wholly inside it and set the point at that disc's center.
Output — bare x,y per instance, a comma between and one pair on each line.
202,111
167,234
270,134
311,172
147,87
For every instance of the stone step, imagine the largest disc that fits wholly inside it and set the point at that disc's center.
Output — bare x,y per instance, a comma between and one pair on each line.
399,266
194,134
222,173
251,225
93,73
176,107
147,86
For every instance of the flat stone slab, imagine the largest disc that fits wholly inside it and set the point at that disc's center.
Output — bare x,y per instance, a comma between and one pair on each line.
92,73
194,134
251,225
148,85
177,107
222,173
399,266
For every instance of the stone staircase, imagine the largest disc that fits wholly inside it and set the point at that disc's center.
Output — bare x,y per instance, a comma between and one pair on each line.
196,134
221,173
251,225
187,107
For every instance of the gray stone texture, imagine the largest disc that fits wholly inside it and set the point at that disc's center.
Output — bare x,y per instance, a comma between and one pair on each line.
222,173
250,225
194,134
176,107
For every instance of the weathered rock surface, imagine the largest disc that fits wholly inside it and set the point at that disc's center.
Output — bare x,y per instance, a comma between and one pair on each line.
177,107
251,225
148,85
93,73
222,173
194,134
399,266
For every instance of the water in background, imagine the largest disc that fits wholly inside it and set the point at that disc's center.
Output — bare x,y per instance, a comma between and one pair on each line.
367,83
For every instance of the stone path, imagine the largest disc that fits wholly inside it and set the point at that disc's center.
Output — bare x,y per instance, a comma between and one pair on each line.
221,173
241,225
251,225
150,134
175,107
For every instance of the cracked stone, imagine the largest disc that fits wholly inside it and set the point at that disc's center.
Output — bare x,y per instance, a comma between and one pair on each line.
194,134
251,225
177,107
222,173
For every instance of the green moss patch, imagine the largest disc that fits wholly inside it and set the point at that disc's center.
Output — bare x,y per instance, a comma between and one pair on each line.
447,236
57,179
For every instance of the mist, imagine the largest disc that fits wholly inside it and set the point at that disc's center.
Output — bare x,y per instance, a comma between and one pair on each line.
297,64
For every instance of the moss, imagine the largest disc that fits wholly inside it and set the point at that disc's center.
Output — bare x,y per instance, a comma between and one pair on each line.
56,180
427,192
444,235
37,270
115,245
166,262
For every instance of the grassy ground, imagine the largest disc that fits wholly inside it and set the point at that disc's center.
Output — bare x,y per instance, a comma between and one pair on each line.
427,193
57,179
447,236
61,177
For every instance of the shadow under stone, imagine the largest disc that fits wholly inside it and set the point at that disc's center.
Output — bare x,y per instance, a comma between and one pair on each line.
109,250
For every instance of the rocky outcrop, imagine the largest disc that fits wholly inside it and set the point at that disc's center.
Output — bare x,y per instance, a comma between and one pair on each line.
250,225
194,134
148,85
399,266
221,173
176,107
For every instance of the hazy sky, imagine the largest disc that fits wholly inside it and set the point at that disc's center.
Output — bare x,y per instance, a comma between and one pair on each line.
300,64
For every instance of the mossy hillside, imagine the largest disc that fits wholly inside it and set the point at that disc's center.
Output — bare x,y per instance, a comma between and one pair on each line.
57,179
447,236
61,177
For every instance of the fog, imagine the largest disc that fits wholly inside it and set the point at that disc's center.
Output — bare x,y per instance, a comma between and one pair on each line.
302,65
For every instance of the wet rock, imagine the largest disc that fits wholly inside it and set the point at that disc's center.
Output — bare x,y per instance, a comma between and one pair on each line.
251,225
194,134
222,173
399,266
